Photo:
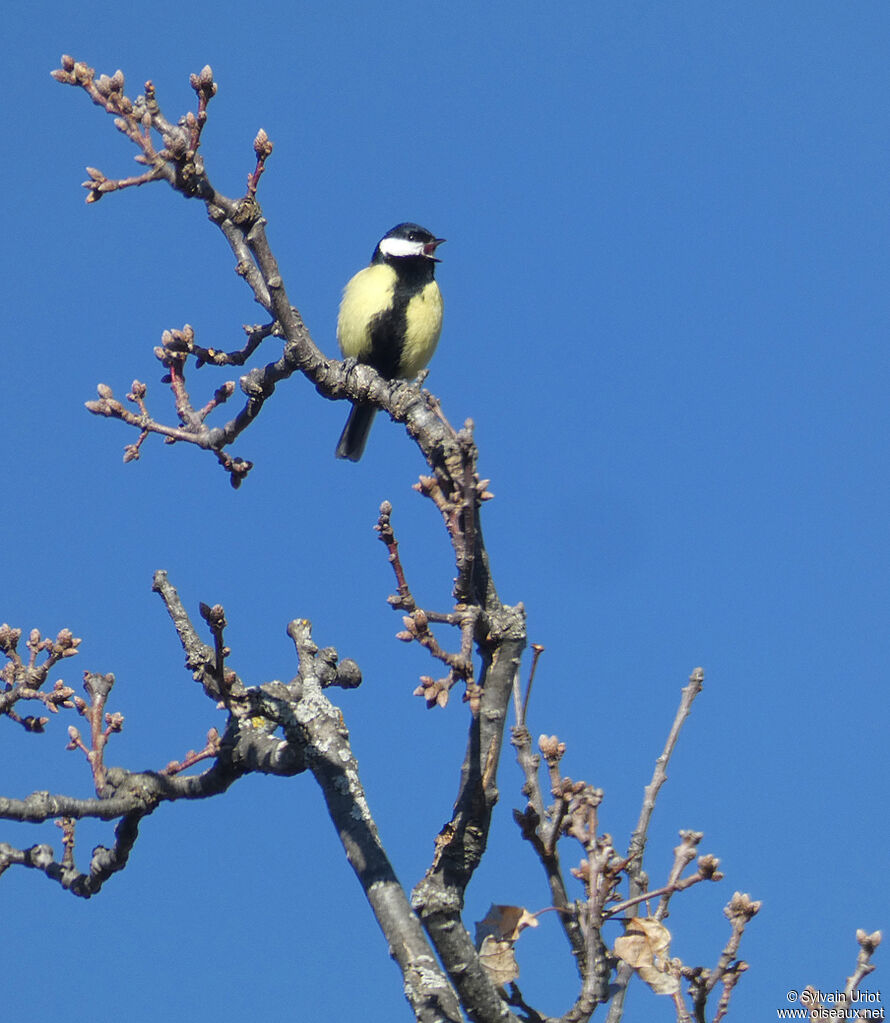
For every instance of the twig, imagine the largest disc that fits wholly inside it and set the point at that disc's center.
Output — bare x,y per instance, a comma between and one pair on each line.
868,944
404,600
659,777
263,149
684,854
98,687
210,750
417,627
22,680
636,875
707,871
843,1007
739,911
537,650
205,663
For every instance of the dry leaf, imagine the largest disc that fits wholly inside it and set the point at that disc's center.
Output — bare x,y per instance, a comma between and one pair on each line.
495,936
646,946
498,960
505,922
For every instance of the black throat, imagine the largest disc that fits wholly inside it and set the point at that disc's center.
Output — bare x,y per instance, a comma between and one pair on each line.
412,272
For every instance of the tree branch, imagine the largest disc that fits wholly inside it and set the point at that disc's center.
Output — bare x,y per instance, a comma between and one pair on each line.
638,879
314,733
330,758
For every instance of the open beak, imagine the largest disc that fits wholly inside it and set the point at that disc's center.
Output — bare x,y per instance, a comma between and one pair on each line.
429,250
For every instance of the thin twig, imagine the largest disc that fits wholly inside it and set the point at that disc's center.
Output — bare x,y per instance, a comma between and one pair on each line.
659,776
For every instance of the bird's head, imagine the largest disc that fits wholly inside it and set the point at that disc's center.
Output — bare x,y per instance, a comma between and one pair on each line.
407,241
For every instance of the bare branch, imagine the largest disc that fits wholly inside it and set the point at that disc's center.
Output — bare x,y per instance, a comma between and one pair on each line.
707,871
659,777
22,680
639,882
845,1006
461,843
868,944
103,863
210,750
739,911
331,760
287,728
263,147
541,828
204,662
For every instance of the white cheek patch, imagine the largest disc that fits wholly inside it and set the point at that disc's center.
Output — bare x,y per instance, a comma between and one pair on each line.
397,247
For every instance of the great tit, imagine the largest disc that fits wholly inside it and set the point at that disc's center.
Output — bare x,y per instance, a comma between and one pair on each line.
390,318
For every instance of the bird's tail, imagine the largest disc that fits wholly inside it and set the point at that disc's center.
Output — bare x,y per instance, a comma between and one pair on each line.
355,433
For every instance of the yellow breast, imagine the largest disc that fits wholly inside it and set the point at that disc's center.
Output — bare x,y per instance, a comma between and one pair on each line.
367,295
424,316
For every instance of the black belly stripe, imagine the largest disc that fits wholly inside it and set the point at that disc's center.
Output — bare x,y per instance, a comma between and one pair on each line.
388,328
387,338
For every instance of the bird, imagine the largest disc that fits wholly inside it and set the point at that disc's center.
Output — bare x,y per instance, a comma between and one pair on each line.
390,318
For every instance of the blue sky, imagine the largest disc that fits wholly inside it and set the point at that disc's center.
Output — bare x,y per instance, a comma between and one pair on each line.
667,313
